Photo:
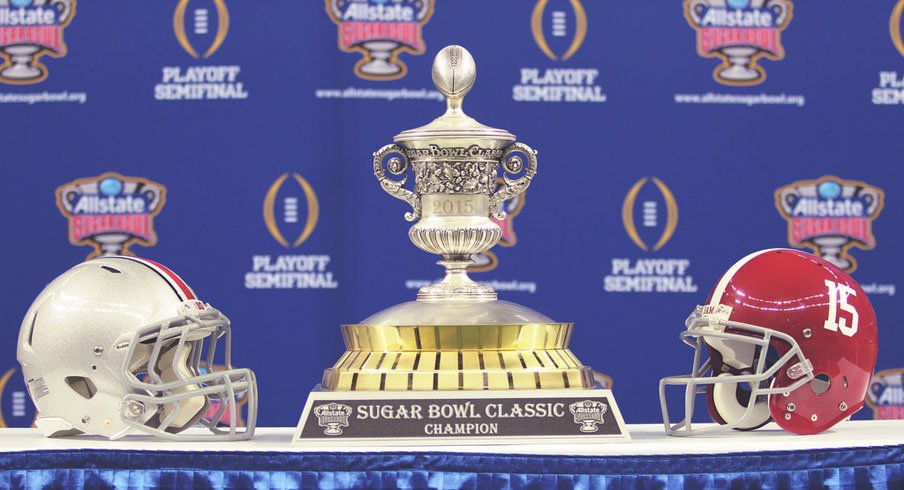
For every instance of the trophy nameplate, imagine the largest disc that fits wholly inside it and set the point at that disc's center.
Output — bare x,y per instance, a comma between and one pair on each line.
457,361
459,417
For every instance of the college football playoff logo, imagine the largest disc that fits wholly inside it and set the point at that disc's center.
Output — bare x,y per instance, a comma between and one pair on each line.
200,26
739,32
289,199
651,214
559,20
30,29
380,30
894,26
830,215
111,212
15,408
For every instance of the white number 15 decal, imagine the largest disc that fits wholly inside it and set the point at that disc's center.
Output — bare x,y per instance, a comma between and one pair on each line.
838,298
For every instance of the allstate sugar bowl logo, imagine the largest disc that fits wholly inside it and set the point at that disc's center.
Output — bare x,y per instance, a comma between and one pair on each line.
110,212
559,28
891,82
30,29
886,394
290,212
333,417
830,215
380,30
650,217
200,28
588,414
739,32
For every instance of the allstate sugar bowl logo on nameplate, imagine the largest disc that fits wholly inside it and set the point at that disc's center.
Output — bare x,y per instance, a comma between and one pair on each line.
830,216
290,213
588,414
891,82
739,32
111,212
558,28
333,417
30,29
380,30
200,28
650,217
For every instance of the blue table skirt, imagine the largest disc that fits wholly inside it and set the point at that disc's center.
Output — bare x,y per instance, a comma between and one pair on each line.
880,467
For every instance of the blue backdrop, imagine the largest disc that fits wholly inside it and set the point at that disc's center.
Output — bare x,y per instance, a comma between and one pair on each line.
654,174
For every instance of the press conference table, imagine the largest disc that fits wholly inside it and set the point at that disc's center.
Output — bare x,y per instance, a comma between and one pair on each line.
855,454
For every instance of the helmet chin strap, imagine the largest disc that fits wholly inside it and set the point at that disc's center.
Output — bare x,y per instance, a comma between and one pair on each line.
191,409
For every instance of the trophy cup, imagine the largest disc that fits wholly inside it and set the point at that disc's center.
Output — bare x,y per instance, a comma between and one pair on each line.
458,364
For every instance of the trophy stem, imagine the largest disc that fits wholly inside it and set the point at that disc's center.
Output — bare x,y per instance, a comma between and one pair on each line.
456,286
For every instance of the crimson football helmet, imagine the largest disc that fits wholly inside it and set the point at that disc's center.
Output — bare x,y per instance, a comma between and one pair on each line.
117,345
787,336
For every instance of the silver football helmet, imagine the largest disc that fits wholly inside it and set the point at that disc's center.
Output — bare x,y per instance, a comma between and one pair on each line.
115,345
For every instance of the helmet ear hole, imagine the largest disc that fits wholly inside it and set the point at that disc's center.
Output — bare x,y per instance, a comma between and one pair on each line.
82,385
820,383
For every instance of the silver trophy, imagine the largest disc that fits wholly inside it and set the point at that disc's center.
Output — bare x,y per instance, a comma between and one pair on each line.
23,66
455,161
457,345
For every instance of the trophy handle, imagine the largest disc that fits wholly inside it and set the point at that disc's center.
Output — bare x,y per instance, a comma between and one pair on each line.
397,165
512,164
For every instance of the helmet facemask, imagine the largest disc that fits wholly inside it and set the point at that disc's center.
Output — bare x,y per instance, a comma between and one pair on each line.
171,390
738,373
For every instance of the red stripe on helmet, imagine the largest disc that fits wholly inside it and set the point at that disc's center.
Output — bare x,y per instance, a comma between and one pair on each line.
173,277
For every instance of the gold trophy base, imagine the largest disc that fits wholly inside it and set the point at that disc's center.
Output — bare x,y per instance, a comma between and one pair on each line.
457,357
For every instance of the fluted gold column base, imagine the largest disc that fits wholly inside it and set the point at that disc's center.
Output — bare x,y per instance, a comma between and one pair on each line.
457,357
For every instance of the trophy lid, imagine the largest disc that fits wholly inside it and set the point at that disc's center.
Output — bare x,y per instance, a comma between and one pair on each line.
473,312
454,73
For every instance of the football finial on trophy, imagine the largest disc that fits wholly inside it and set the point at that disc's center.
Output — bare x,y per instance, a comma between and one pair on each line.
454,73
455,161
